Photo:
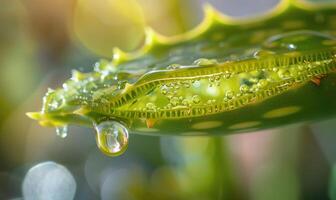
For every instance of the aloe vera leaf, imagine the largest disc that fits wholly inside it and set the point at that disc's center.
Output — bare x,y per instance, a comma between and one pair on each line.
224,76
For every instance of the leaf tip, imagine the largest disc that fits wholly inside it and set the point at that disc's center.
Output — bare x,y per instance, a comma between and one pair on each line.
118,56
34,115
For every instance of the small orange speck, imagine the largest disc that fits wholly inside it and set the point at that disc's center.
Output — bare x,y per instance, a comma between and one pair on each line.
150,123
317,80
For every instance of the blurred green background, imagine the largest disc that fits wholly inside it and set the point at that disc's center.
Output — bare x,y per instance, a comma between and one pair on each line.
42,40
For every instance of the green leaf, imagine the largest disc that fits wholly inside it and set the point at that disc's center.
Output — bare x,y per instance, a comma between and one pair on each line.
332,185
224,76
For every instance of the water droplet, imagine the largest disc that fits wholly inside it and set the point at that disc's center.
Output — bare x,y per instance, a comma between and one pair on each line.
77,76
112,138
104,66
229,94
262,83
91,86
164,90
196,84
263,53
212,79
275,69
211,101
185,102
301,67
244,88
186,84
54,105
174,66
253,80
65,86
284,73
174,101
291,46
293,71
84,90
62,131
254,88
196,99
205,62
121,84
226,75
53,101
150,107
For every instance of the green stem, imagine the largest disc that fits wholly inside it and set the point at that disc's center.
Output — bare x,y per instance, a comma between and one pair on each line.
224,183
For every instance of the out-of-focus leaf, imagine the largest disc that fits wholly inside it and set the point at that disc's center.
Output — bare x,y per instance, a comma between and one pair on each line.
103,24
332,186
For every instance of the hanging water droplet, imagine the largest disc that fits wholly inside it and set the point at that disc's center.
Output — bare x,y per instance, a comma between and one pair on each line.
205,62
62,131
112,138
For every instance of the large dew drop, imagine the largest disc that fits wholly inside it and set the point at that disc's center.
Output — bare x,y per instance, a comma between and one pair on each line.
112,138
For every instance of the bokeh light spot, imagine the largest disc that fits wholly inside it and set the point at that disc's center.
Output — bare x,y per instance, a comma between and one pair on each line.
48,181
102,25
